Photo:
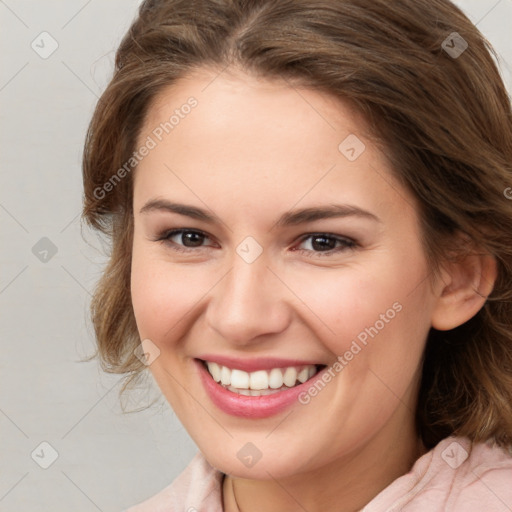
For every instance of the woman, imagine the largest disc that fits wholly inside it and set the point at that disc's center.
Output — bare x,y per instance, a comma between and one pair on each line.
312,250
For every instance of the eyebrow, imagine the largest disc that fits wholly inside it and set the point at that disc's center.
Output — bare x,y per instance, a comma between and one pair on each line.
181,209
290,218
323,212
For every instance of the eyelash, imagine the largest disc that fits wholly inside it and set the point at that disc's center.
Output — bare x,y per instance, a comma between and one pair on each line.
167,235
347,243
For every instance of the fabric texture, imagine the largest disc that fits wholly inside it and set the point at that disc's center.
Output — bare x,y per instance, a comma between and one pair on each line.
457,475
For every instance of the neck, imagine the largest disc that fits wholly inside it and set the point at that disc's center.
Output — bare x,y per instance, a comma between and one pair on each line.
352,480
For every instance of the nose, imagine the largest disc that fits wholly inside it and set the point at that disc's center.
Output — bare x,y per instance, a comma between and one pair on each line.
248,303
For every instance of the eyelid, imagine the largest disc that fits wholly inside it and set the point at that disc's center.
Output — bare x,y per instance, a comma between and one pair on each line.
165,237
347,244
325,234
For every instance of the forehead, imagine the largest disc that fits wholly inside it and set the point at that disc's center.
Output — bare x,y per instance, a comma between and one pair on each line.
225,97
246,135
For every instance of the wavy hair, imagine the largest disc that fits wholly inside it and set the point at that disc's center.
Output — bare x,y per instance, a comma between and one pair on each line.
444,121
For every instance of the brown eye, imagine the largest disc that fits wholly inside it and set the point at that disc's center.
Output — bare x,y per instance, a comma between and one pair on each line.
185,239
325,243
191,238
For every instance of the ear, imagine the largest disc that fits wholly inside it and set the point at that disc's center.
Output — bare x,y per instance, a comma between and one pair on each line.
463,288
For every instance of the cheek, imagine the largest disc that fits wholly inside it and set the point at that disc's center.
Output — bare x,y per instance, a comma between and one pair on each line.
163,296
345,303
380,301
376,329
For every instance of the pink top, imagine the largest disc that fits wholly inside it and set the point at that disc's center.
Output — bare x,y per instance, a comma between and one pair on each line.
454,476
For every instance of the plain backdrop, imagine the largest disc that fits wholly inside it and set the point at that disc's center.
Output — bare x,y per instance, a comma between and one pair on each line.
56,411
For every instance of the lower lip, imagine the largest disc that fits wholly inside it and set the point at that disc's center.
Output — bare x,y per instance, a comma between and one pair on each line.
250,406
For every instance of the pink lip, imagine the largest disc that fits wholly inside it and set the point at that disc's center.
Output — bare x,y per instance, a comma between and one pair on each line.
253,365
252,407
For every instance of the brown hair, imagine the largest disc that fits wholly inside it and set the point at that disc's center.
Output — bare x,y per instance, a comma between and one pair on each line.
444,121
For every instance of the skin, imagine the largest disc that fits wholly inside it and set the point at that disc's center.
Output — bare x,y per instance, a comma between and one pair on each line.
250,151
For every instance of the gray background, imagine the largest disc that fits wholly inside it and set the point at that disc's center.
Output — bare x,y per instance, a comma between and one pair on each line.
106,460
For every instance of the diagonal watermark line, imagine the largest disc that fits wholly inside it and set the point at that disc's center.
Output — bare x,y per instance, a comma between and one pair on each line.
94,405
301,300
69,223
215,489
12,12
508,505
76,14
13,423
170,170
14,485
81,491
13,218
198,403
296,90
391,391
287,492
503,63
80,79
14,76
278,425
198,301
76,280
306,193
421,281
215,77
13,279
488,12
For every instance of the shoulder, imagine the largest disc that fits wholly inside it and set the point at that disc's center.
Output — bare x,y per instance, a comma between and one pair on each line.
481,475
197,488
457,475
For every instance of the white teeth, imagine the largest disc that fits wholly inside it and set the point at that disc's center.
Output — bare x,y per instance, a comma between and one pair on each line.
239,379
290,377
302,376
255,392
275,378
225,376
214,369
261,382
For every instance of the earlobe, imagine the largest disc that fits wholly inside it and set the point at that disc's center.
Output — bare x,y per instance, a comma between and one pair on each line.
463,289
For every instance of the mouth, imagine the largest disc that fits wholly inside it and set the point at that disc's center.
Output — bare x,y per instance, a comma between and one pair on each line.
261,382
264,388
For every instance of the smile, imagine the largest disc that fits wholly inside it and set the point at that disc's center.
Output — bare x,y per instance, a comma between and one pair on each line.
261,382
262,389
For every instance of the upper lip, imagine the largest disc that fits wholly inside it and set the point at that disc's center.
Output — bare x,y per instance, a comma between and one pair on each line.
256,363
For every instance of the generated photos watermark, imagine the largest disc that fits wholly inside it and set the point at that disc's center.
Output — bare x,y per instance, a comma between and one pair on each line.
149,144
357,345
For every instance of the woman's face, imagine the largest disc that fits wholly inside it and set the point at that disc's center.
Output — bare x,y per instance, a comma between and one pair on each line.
295,255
